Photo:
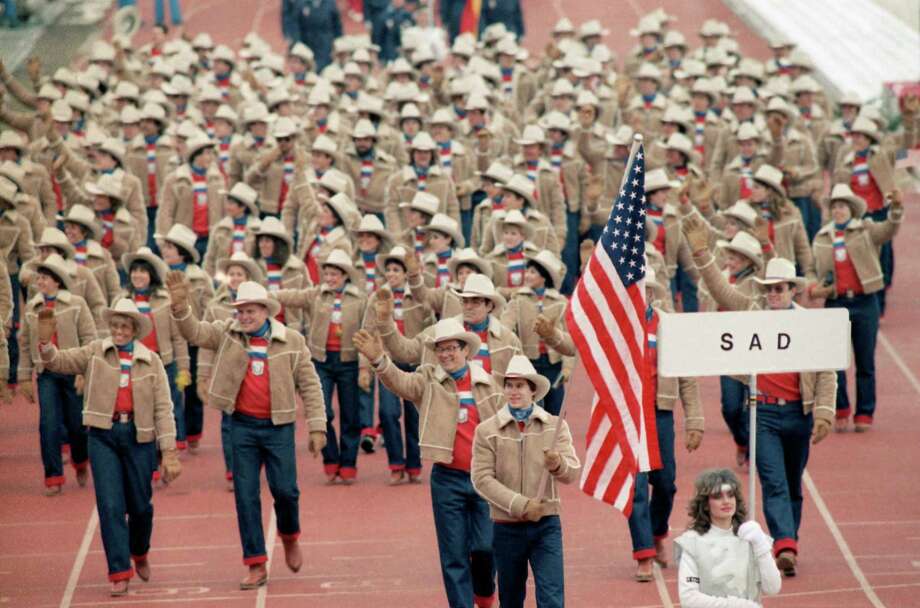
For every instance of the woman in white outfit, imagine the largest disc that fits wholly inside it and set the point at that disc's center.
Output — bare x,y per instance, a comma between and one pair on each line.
724,561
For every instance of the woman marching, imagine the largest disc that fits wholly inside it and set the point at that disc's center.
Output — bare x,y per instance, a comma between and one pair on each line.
279,269
123,425
723,560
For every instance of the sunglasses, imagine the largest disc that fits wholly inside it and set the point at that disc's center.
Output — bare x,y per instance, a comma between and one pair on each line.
446,350
781,288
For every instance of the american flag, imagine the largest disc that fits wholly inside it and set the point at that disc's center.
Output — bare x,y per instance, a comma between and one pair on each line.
606,319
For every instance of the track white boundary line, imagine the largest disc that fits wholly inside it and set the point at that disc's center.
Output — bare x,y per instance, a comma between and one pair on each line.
262,595
841,542
78,562
889,347
662,587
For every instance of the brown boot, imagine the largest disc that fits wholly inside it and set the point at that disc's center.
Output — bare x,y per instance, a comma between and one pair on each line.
292,555
644,570
82,476
258,576
785,562
56,490
119,588
142,566
841,424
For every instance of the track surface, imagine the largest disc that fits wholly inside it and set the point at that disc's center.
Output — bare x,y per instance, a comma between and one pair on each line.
371,544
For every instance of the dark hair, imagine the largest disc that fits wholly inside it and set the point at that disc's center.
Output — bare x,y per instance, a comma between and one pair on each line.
83,228
162,27
194,155
388,261
246,209
471,266
708,482
281,253
146,266
53,275
542,272
531,383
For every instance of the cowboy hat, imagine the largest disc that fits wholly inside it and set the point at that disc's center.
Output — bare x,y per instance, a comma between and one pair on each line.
498,172
772,177
742,212
245,195
12,139
521,367
343,207
423,141
183,237
54,238
522,186
546,260
15,173
657,179
364,128
867,127
325,144
250,292
334,181
514,217
242,259
842,192
747,130
146,255
126,307
532,135
746,244
341,260
651,282
452,329
107,185
469,257
371,224
84,216
197,143
445,225
57,266
397,253
272,226
424,202
780,270
480,286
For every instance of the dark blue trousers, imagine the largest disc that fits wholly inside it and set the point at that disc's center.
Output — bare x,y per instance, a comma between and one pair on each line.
540,545
864,318
226,442
178,403
811,215
59,405
649,519
783,441
735,411
552,403
194,408
151,229
464,531
341,377
886,258
12,346
391,408
258,442
682,284
121,476
366,409
570,253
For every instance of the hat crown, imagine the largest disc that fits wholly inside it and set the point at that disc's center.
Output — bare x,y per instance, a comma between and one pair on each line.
125,306
841,191
425,201
747,131
520,184
747,242
54,238
370,223
80,214
448,328
243,192
656,179
182,234
478,285
271,225
779,269
520,366
770,175
533,133
742,211
423,141
249,291
338,257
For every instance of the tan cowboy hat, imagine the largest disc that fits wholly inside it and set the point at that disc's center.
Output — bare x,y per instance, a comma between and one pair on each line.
242,259
183,237
514,217
245,195
522,186
780,270
651,282
423,141
480,286
284,127
334,181
498,171
107,185
364,128
681,143
343,207
842,192
272,226
521,367
557,121
469,257
397,253
129,115
371,224
748,131
587,98
114,148
532,134
256,112
154,112
444,117
325,144
61,112
657,179
423,201
225,112
56,265
743,95
649,71
446,225
126,307
867,127
744,244
452,329
250,292
772,177
52,237
15,173
84,216
548,261
742,212
146,255
12,139
777,104
341,260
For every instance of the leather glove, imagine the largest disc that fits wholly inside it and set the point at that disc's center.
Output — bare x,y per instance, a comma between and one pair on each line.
751,532
552,460
368,344
365,377
178,288
79,383
694,439
544,327
171,466
821,430
383,305
534,511
696,233
317,442
413,268
183,379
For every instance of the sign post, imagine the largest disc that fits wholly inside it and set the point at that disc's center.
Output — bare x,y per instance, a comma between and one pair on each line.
750,343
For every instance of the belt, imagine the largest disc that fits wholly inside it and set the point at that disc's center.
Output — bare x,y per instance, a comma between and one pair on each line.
767,400
123,417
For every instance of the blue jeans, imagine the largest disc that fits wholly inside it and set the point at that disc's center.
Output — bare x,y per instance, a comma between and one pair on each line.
735,411
783,440
552,403
391,407
194,409
226,442
886,258
811,215
174,11
121,476
570,254
59,405
649,519
466,224
334,375
151,221
201,246
178,403
258,442
464,530
864,316
540,545
12,340
682,284
366,409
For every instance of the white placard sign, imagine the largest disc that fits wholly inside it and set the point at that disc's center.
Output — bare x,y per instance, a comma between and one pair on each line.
753,342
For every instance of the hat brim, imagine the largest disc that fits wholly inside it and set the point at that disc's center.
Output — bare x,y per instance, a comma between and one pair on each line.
471,340
94,229
273,306
196,257
482,266
61,273
799,282
142,324
758,260
778,188
159,266
541,384
526,196
857,205
252,268
253,208
456,235
354,274
554,274
284,237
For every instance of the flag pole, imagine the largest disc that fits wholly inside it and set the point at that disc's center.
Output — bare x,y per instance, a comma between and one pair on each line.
752,449
544,477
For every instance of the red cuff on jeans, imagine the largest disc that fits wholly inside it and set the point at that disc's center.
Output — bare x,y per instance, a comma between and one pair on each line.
331,469
124,575
57,480
348,472
862,419
139,558
483,602
255,560
843,414
785,544
644,553
289,537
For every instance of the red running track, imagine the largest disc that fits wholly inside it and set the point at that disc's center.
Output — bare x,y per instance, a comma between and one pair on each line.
371,544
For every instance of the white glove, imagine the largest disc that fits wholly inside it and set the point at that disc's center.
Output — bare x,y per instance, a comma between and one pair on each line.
751,532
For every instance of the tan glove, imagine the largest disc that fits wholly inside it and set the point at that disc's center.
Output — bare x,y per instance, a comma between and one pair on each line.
696,233
79,383
552,460
413,267
317,442
26,390
178,288
693,440
545,328
895,199
821,430
368,344
47,325
775,125
171,466
762,230
383,306
594,190
365,376
585,251
183,379
534,511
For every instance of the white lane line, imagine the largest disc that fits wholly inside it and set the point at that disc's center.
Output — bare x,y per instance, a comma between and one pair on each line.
78,562
270,544
662,587
901,522
911,377
841,542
